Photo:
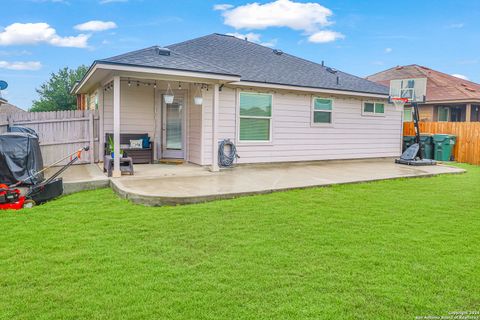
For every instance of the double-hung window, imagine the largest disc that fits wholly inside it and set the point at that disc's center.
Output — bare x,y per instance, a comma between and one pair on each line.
255,117
322,111
373,109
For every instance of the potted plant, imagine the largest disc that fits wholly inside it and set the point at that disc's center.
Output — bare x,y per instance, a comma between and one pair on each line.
111,148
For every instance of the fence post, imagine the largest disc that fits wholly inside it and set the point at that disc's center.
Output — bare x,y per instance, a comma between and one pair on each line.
92,138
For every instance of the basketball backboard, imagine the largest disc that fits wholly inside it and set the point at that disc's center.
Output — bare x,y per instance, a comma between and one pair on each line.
414,89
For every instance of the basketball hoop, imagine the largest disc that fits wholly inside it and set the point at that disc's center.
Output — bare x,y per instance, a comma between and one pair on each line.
399,103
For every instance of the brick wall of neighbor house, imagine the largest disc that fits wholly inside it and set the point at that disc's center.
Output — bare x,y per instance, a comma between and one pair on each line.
427,113
352,136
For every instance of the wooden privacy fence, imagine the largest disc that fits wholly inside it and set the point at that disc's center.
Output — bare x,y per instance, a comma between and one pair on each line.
467,148
60,132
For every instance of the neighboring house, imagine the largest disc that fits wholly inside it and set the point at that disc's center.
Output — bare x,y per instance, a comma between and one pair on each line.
9,109
448,98
275,107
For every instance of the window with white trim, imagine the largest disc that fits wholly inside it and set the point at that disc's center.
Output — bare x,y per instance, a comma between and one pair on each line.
373,108
322,111
255,117
443,114
407,114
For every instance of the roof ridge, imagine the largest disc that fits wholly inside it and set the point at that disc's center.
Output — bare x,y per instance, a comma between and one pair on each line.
131,52
190,40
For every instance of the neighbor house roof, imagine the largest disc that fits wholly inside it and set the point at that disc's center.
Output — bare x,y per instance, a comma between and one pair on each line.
8,109
440,86
228,55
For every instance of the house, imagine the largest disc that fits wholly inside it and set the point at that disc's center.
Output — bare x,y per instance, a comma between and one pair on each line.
448,98
274,106
9,109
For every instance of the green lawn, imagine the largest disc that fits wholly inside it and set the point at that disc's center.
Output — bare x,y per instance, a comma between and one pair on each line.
384,250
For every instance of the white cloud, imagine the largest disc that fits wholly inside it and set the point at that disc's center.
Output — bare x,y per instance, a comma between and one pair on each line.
111,1
388,50
461,76
222,7
309,18
96,25
253,37
325,36
35,33
280,13
20,65
455,26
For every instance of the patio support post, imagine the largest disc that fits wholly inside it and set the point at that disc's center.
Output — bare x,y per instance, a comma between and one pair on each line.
116,127
468,112
215,106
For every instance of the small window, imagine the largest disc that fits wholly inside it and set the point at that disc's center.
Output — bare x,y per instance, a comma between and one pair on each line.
407,114
443,113
373,109
255,116
322,111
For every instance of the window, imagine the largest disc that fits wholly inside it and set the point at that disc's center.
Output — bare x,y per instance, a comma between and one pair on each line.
322,111
443,113
255,116
407,114
373,109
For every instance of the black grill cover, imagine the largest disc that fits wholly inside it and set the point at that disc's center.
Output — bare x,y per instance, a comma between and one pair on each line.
22,129
20,158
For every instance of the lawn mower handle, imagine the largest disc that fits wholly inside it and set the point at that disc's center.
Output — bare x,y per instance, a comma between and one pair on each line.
74,156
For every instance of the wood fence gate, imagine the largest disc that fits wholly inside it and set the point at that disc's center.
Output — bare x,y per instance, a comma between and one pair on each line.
60,132
467,148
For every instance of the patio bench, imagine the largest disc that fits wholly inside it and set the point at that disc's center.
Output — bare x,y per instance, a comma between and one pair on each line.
138,155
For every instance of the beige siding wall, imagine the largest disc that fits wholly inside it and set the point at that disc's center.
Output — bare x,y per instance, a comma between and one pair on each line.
137,110
138,115
294,138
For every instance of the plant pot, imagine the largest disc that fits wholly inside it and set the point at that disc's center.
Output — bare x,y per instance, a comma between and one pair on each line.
198,101
168,98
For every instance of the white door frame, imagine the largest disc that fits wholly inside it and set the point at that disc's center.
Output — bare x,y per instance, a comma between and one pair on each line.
181,97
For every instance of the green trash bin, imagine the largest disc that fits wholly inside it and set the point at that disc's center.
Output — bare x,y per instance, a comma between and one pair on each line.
426,146
407,142
444,146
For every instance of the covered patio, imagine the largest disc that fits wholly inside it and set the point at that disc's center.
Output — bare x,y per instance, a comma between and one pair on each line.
177,109
161,184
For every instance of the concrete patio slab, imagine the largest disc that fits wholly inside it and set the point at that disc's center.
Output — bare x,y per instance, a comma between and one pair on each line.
81,177
157,185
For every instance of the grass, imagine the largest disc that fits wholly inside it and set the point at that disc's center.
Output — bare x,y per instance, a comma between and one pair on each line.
383,250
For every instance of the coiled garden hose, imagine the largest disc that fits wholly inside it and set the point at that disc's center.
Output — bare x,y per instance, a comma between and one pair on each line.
227,160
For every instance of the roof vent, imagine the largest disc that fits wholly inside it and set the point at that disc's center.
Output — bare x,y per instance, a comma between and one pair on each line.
278,52
162,51
331,70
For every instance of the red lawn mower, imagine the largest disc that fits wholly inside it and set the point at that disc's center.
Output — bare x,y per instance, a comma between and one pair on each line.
21,167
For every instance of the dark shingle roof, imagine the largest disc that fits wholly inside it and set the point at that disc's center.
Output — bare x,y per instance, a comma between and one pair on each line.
225,54
8,109
149,57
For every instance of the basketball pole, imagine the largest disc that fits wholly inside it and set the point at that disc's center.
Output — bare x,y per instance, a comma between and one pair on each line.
416,118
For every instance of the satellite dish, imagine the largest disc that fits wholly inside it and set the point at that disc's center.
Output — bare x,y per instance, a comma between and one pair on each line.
3,85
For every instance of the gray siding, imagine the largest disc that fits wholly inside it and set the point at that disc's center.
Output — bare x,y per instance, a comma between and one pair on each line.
352,135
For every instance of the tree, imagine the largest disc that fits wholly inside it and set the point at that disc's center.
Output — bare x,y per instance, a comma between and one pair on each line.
55,93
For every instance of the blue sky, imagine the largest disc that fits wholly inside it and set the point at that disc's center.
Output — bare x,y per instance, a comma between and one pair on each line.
38,37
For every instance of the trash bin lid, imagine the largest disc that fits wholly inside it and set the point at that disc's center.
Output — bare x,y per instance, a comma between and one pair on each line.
440,137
